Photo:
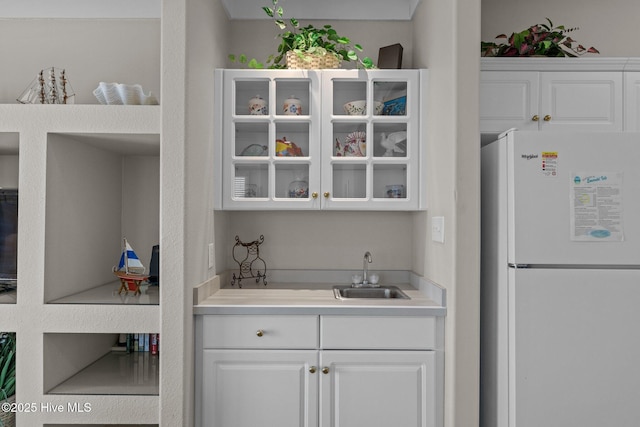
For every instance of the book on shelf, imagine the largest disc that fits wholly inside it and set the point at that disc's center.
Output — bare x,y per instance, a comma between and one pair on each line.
138,343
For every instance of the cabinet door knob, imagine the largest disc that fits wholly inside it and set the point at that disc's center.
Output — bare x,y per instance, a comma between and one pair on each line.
312,369
260,332
314,194
535,118
325,370
326,194
547,118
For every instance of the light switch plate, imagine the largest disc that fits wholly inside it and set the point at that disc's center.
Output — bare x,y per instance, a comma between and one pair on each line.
437,229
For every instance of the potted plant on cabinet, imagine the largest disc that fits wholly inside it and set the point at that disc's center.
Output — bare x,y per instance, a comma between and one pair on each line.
7,376
306,47
537,40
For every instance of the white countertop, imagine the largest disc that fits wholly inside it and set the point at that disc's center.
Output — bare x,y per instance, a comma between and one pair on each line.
306,298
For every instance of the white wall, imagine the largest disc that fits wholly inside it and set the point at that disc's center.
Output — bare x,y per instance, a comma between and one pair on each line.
446,35
606,25
8,171
90,50
206,44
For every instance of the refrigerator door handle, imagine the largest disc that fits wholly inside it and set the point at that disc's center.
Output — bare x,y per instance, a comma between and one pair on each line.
512,265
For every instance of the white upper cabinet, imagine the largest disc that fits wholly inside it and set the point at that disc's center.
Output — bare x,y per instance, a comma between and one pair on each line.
329,139
581,101
549,94
509,100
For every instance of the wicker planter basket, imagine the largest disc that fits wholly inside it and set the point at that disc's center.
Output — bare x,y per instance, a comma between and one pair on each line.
8,419
316,62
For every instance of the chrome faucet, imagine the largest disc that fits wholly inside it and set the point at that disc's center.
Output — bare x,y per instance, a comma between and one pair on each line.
365,267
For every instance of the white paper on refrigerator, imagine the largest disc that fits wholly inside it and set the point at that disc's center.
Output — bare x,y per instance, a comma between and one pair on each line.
596,207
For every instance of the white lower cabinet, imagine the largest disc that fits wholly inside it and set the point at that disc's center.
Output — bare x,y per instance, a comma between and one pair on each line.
248,388
243,385
377,388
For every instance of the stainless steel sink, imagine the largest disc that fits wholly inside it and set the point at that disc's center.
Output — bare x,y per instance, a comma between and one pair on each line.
380,292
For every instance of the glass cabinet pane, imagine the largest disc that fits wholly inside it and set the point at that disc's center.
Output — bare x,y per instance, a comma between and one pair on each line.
292,180
252,97
252,139
292,97
251,180
390,181
349,181
353,93
393,95
292,139
350,139
390,140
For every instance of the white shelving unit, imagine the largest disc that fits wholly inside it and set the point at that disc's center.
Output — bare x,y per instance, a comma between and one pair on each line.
88,174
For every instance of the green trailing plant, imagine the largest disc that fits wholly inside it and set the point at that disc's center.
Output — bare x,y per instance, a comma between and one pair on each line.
304,41
537,40
7,365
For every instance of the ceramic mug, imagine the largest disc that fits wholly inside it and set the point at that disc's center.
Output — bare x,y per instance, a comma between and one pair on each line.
257,106
292,106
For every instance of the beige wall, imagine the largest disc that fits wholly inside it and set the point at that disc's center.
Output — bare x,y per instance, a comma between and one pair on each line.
372,35
90,50
605,25
454,188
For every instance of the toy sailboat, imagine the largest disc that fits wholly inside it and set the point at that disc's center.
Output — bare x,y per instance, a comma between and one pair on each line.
46,88
130,270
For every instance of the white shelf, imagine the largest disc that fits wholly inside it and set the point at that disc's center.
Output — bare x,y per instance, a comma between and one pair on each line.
108,119
116,373
99,188
108,294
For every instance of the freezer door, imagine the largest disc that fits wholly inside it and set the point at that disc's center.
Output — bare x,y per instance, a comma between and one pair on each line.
573,198
574,348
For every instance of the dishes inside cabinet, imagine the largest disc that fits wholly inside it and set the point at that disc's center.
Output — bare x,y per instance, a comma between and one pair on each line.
255,150
286,148
395,107
355,145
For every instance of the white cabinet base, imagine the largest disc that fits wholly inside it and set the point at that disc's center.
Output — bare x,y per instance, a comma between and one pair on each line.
378,389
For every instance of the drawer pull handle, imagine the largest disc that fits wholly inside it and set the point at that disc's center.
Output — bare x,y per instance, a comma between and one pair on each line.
260,332
535,118
326,194
314,194
325,370
547,118
312,369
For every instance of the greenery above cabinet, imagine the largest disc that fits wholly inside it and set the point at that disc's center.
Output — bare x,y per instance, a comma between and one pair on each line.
327,139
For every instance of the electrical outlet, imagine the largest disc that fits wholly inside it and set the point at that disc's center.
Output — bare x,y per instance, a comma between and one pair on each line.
437,229
211,255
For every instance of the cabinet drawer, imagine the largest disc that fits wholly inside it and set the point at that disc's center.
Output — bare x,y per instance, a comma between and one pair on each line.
378,332
231,331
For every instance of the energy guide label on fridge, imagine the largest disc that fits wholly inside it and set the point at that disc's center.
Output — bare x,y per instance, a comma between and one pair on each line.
550,163
596,207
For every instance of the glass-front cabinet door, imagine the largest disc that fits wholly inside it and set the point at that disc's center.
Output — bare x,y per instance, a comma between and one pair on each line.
371,146
326,139
270,139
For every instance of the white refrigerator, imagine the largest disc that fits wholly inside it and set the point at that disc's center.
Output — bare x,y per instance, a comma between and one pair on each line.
560,285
